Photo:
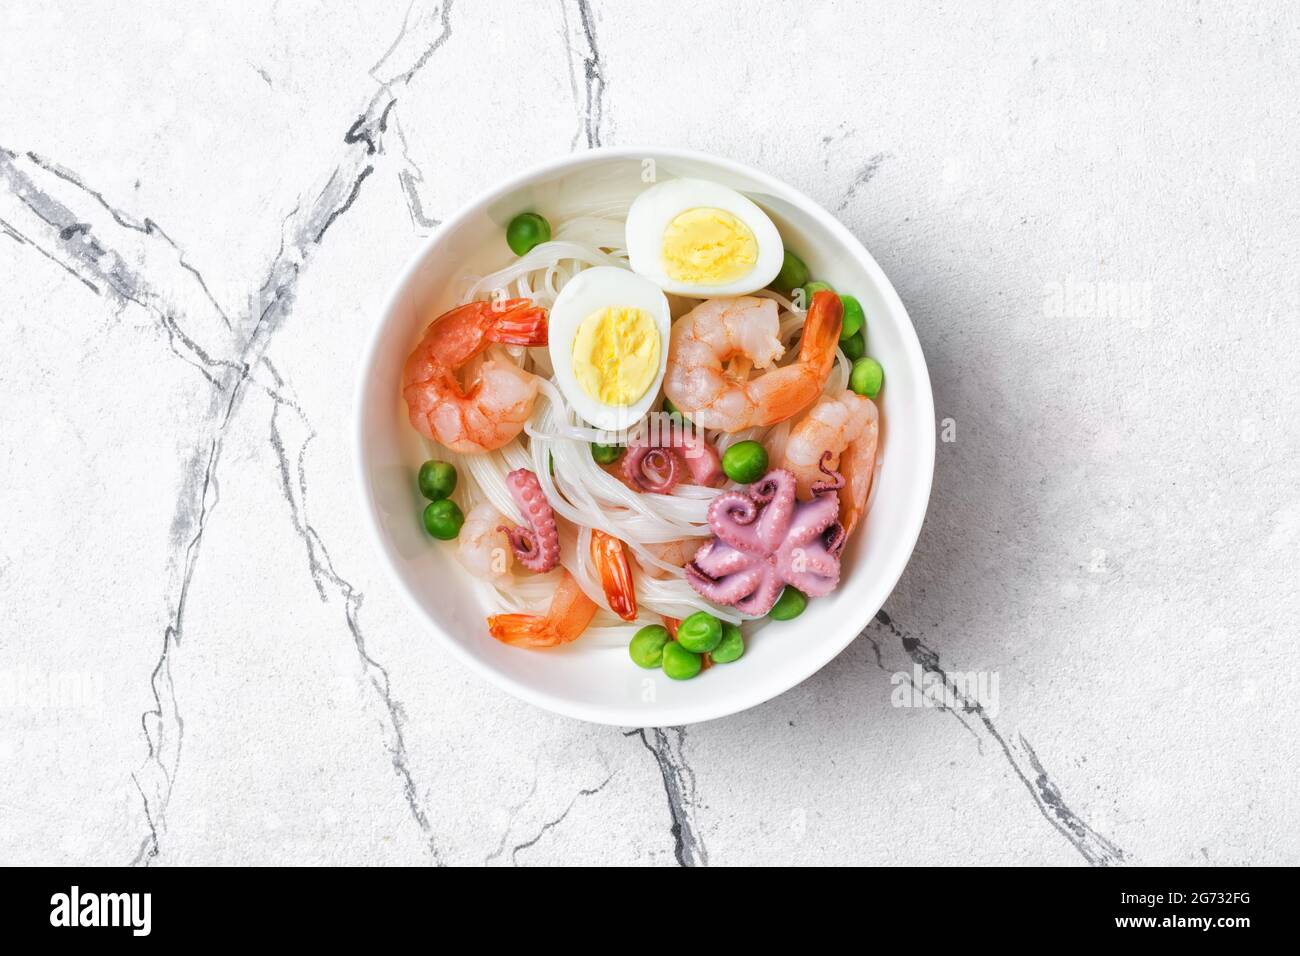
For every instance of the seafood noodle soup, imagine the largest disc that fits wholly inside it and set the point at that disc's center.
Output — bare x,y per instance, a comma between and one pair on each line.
648,424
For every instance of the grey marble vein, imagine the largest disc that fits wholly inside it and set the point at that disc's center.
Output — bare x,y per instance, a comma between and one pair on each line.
586,71
550,825
115,255
293,477
511,812
411,177
865,173
1096,849
86,244
411,48
667,745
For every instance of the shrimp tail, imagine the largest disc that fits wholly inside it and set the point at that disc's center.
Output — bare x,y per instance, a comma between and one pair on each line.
610,557
517,322
568,616
821,331
526,630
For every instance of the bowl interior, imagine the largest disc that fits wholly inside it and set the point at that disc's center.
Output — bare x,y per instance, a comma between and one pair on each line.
600,683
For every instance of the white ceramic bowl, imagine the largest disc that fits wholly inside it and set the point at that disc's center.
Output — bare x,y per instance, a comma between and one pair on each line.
600,683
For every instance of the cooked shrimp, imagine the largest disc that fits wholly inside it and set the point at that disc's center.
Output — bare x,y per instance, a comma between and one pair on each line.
610,558
676,553
570,613
713,347
493,409
482,547
848,426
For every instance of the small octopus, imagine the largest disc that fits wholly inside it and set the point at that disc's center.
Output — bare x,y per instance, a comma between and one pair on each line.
765,539
536,547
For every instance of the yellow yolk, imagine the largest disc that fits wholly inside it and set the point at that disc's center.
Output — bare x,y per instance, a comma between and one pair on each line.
616,354
706,246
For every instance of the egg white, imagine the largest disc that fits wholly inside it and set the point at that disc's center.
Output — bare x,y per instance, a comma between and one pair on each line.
654,209
585,293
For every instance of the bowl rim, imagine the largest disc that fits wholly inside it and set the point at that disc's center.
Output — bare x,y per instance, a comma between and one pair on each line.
704,708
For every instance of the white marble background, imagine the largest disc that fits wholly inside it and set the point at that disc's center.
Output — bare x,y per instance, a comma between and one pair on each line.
200,207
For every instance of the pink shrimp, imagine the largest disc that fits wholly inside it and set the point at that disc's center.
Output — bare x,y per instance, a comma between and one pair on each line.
714,346
568,616
676,553
493,408
610,558
847,426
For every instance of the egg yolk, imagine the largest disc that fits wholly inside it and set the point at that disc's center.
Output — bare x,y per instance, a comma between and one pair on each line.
705,246
616,354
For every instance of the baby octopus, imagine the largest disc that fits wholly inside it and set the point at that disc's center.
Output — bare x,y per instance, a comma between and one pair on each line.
536,547
764,539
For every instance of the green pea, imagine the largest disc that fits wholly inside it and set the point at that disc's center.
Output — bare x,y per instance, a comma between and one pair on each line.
811,289
854,317
437,479
789,605
793,273
443,519
866,377
525,231
731,646
745,462
605,454
647,646
853,347
679,663
700,632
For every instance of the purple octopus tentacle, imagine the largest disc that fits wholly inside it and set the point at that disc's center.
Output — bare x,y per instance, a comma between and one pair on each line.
764,596
774,523
811,518
650,468
812,570
538,547
833,538
731,516
728,589
717,558
702,459
836,481
662,449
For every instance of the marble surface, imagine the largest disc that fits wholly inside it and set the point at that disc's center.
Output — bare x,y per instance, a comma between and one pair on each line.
1089,214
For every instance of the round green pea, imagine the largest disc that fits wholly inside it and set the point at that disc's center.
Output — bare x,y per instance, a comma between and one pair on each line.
437,480
730,647
793,273
647,646
526,231
866,377
443,519
745,462
812,288
789,605
853,347
700,633
605,454
679,663
854,317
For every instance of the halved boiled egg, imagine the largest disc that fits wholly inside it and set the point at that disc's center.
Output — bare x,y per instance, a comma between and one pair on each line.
695,238
608,341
